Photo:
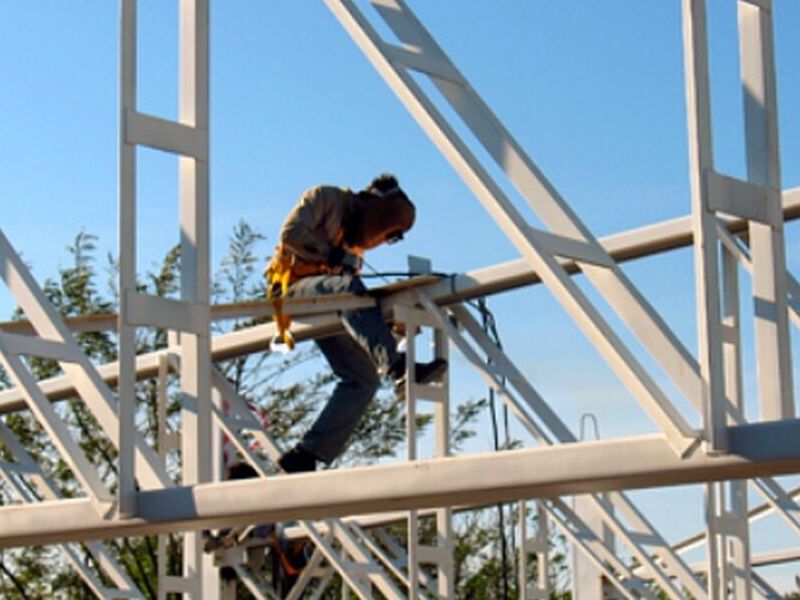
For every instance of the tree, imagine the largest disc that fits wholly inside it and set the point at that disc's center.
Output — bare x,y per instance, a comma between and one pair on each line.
289,389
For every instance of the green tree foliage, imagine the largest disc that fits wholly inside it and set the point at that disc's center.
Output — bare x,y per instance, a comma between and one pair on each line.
484,571
289,389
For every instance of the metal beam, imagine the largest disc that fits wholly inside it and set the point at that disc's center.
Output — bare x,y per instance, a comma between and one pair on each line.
765,448
627,245
639,242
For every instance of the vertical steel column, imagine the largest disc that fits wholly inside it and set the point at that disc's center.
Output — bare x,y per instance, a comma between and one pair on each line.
444,516
757,199
440,553
715,541
538,546
587,578
734,493
701,159
127,262
729,572
757,62
522,570
412,554
188,139
163,448
739,542
195,346
542,542
728,532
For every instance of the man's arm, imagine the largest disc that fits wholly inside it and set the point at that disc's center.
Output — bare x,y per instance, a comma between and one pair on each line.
305,231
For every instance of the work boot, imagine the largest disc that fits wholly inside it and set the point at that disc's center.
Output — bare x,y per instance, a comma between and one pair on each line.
298,460
423,372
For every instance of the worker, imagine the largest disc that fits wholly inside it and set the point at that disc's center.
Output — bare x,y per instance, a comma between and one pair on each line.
321,247
289,556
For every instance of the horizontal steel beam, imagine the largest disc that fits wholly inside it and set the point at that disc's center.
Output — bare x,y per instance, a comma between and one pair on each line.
623,246
777,557
225,346
250,309
636,243
757,512
759,449
765,559
627,245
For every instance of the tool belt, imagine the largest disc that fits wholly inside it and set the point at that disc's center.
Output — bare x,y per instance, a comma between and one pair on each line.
281,272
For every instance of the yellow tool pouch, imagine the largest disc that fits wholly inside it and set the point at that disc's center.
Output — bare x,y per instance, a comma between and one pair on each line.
279,278
281,272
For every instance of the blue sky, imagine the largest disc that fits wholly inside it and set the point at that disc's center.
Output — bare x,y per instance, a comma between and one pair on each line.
592,90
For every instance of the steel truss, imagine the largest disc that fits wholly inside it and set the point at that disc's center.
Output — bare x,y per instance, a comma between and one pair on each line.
30,485
188,138
734,224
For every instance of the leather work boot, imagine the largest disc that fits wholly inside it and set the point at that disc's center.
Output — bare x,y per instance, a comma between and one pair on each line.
423,372
298,460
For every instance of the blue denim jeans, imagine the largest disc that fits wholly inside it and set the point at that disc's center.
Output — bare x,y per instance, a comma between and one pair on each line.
357,357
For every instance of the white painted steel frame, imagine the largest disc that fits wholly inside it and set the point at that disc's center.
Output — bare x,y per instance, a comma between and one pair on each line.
85,379
57,430
735,252
35,479
479,278
545,245
166,442
240,420
783,503
489,280
187,138
440,553
771,448
637,527
706,262
712,393
126,470
538,545
626,245
195,347
718,312
733,530
543,198
757,62
591,577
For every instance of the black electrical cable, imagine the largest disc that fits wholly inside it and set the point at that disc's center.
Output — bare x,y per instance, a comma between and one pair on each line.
409,274
488,323
490,327
506,426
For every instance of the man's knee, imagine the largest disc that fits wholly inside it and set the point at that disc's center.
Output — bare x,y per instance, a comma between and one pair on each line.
355,285
369,382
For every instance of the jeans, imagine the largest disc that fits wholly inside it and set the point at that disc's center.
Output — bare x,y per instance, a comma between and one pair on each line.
356,357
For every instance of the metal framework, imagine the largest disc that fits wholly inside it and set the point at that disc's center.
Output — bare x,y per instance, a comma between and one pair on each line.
735,225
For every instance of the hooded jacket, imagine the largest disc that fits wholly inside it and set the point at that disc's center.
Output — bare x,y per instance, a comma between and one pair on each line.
316,226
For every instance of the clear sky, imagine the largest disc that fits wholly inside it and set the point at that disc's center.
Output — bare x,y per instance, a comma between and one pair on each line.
592,90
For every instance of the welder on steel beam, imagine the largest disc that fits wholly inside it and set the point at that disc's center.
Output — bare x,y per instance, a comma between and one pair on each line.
320,251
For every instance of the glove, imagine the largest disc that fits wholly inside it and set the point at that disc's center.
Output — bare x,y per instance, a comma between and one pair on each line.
336,256
350,263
